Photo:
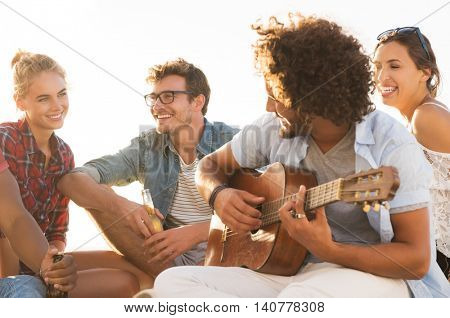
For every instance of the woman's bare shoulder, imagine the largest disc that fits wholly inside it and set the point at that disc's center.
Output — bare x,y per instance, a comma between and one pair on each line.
431,126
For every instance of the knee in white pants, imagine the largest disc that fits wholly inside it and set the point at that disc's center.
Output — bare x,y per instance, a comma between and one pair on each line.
299,290
170,278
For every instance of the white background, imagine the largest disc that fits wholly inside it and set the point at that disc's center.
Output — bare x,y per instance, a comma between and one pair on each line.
124,38
368,308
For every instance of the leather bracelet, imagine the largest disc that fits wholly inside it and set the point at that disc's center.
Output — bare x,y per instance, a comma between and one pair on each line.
214,194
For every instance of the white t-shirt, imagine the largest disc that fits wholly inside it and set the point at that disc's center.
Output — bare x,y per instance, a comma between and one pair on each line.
187,207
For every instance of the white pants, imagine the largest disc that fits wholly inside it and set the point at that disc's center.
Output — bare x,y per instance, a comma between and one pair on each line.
313,280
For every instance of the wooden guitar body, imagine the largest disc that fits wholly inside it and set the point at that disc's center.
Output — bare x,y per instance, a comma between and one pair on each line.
270,249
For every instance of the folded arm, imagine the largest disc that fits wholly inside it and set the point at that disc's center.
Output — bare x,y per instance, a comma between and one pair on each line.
406,257
88,194
19,227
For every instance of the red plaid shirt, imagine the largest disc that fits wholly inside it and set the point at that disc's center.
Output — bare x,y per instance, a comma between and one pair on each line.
3,163
37,184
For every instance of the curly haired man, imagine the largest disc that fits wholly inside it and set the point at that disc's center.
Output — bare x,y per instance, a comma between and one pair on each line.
320,118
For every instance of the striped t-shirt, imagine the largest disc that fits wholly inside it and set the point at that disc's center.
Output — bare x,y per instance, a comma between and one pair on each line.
188,206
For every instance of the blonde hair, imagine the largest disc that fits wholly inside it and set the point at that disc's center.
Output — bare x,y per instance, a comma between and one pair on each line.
27,65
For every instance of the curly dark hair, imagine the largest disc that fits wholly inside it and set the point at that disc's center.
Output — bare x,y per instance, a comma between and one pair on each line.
196,81
312,66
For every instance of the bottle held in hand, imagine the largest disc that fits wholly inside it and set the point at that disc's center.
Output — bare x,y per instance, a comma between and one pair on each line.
52,292
148,204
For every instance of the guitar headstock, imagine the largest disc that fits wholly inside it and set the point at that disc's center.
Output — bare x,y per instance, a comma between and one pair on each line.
370,187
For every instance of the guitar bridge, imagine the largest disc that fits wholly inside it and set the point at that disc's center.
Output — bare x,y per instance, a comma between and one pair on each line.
223,240
224,234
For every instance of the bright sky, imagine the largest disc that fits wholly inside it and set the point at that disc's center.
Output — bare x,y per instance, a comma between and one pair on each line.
106,48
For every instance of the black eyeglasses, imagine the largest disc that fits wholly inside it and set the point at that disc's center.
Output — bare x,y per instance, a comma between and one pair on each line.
405,30
165,97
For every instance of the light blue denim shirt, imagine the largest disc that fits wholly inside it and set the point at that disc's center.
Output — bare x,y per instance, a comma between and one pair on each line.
380,141
152,160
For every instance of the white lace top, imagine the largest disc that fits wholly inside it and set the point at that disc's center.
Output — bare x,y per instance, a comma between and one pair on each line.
440,195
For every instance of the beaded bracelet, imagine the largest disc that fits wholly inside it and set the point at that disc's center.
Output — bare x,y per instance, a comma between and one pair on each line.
214,194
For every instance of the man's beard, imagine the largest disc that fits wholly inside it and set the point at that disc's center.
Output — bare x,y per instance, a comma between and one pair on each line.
175,129
299,129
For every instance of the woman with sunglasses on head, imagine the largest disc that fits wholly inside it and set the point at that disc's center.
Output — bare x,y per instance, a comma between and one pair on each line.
407,77
38,159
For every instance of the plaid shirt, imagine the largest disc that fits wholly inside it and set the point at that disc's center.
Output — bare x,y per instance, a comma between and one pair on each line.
37,184
3,163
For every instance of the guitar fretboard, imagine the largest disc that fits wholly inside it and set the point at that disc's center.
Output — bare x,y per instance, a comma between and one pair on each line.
315,197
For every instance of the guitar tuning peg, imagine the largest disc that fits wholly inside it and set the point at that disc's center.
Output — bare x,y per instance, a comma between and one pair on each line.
366,207
386,205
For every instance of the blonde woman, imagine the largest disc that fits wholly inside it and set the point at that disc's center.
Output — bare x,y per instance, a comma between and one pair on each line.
38,158
407,77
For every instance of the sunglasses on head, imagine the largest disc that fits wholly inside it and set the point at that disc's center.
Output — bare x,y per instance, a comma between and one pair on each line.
405,30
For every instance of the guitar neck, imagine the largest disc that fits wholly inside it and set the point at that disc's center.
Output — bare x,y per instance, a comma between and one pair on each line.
314,198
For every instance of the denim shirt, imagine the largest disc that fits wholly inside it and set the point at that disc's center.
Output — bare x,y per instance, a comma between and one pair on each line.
380,141
152,160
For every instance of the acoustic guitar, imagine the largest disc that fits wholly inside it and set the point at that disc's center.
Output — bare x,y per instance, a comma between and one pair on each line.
270,249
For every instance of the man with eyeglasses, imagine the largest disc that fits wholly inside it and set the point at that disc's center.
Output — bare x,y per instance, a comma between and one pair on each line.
164,160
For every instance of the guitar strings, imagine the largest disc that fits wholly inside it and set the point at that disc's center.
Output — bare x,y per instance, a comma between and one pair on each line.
314,191
315,197
287,198
272,216
319,195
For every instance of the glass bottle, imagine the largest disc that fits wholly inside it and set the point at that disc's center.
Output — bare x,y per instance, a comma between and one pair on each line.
52,292
148,204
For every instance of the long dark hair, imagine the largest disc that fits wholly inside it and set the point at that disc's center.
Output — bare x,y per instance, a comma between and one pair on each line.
419,56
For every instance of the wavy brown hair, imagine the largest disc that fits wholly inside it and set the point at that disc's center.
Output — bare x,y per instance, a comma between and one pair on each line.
312,66
196,81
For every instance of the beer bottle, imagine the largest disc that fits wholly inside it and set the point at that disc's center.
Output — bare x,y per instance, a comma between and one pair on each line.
52,292
148,204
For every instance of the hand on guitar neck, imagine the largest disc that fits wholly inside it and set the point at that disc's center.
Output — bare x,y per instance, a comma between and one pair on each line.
314,235
236,209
